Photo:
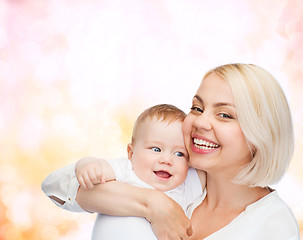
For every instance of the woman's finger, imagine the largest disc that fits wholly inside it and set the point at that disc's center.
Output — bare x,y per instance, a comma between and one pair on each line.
189,231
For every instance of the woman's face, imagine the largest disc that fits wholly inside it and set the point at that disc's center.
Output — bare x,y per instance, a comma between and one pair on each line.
212,133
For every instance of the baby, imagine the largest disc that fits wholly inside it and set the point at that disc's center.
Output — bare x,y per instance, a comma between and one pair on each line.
157,159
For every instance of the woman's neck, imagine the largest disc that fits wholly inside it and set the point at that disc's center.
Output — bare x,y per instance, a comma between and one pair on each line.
223,193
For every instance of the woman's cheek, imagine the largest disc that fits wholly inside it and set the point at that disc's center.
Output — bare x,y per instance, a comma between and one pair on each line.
184,127
187,129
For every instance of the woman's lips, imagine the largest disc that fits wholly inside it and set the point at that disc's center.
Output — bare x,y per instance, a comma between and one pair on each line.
203,146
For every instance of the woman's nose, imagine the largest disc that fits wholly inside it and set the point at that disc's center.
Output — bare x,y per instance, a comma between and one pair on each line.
203,121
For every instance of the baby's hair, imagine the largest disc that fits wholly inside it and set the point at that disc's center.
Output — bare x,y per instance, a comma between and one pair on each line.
161,112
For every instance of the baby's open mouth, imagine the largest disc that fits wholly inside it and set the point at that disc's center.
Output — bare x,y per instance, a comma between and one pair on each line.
163,174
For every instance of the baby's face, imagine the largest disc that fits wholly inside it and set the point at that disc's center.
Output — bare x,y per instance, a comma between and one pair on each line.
159,156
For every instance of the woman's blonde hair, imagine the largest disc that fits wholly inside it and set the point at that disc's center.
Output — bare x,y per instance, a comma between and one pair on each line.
265,120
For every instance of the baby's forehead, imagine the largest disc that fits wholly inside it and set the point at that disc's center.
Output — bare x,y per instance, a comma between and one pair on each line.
159,120
151,121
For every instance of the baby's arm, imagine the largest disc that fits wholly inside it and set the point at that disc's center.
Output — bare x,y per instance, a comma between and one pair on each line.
91,171
62,185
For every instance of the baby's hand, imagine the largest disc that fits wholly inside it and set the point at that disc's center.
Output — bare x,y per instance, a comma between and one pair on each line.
89,171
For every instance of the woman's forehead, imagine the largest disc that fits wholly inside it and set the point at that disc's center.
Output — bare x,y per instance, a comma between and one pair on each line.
214,88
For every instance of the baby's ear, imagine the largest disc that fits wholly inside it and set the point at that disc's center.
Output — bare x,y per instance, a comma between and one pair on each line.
130,151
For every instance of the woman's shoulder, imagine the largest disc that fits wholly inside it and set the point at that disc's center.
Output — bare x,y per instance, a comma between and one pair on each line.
272,212
272,202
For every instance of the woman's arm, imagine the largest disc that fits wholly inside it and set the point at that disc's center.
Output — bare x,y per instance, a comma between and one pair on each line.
167,218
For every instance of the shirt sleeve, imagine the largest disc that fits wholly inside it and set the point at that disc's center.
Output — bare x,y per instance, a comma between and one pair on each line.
64,185
121,167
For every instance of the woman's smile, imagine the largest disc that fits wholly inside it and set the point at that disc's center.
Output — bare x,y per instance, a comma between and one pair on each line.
211,130
203,146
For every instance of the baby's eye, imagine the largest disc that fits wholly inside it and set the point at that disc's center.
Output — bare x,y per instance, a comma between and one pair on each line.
196,109
155,149
225,115
179,154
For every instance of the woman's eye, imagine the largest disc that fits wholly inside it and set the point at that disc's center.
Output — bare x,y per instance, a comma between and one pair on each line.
155,149
225,115
179,154
197,109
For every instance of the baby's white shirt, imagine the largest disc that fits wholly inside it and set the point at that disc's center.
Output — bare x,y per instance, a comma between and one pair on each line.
63,184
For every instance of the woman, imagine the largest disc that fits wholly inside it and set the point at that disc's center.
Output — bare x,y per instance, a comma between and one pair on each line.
239,131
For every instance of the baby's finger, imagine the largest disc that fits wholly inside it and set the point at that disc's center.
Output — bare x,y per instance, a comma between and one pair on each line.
102,180
92,176
99,175
87,181
81,182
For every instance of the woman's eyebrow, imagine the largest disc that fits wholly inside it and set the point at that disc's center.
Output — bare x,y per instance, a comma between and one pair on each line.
218,104
198,98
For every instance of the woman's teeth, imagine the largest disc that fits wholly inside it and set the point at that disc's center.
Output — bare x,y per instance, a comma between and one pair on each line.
204,145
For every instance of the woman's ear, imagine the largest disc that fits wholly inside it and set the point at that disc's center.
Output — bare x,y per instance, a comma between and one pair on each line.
130,151
253,150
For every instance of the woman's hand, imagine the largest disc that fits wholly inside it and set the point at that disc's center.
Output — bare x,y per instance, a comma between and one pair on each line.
167,218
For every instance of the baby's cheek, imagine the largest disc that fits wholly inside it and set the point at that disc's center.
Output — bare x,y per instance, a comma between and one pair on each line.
183,172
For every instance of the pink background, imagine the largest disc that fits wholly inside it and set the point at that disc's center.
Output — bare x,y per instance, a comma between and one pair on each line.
75,74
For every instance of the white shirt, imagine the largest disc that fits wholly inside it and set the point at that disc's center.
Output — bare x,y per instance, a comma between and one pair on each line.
267,219
63,184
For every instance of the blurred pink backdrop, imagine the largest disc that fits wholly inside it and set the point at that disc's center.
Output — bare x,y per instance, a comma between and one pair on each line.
75,74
